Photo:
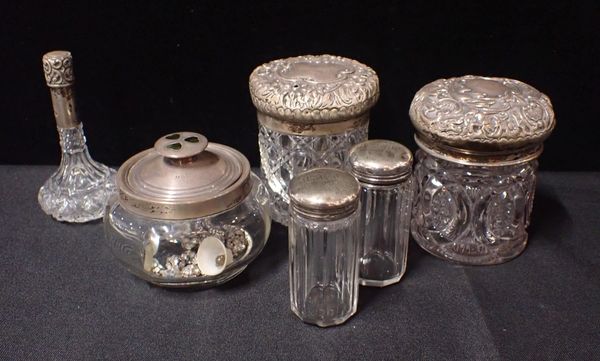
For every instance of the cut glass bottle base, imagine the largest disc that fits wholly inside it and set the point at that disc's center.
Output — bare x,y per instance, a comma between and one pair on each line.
472,254
66,202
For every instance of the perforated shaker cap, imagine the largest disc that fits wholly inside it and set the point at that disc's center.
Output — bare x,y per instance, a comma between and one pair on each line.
380,162
324,194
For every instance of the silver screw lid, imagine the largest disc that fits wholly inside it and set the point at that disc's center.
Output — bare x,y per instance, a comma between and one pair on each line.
481,120
184,176
303,93
380,162
324,194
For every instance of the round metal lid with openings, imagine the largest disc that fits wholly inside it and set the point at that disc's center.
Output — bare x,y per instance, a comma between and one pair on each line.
184,176
481,120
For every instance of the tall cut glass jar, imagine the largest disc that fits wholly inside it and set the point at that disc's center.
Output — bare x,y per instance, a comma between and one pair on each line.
311,110
383,169
479,141
323,246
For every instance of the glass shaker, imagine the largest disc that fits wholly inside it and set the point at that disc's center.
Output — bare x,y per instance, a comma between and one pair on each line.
311,110
480,138
323,246
383,169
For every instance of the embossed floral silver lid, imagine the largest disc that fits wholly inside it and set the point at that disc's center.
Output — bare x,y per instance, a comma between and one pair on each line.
481,120
182,177
313,93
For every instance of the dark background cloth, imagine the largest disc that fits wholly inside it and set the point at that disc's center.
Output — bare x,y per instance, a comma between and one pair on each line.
147,68
63,296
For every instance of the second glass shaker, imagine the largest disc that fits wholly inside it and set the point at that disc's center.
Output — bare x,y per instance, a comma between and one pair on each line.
383,168
323,246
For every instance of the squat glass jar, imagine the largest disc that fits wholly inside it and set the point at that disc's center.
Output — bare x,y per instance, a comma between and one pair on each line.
323,246
479,141
311,110
384,171
188,213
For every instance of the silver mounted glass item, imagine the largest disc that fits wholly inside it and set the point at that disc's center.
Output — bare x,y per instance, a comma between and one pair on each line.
323,246
189,213
384,171
80,188
311,110
479,140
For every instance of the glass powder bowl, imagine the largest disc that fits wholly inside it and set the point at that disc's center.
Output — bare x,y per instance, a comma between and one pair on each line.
189,213
311,110
480,138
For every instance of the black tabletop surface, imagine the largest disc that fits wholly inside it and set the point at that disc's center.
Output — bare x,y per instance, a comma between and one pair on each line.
64,297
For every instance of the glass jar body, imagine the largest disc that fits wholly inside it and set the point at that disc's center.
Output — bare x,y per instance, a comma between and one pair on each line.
165,252
284,155
323,268
472,214
384,225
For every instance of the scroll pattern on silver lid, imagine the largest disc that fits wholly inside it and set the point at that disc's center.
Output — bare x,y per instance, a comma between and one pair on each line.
58,68
314,89
482,110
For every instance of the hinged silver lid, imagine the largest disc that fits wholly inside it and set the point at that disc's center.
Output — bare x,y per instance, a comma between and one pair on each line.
306,91
184,176
324,194
482,120
381,162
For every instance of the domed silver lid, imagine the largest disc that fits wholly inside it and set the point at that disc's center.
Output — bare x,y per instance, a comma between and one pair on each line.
324,194
310,93
183,176
481,120
380,162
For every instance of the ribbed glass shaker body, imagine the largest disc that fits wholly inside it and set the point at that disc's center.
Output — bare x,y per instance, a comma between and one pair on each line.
472,214
323,269
384,226
323,248
480,138
311,110
383,169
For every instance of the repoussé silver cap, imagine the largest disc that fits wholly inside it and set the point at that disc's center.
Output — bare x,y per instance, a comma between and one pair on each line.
324,194
380,162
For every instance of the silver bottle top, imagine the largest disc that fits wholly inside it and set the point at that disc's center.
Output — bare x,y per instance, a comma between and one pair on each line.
324,194
184,176
481,120
313,95
380,162
58,71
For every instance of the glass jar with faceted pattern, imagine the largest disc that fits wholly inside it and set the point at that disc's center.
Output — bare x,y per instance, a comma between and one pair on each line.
476,171
311,110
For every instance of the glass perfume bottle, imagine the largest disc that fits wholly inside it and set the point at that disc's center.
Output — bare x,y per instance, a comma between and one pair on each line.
323,246
311,110
80,188
384,171
480,138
